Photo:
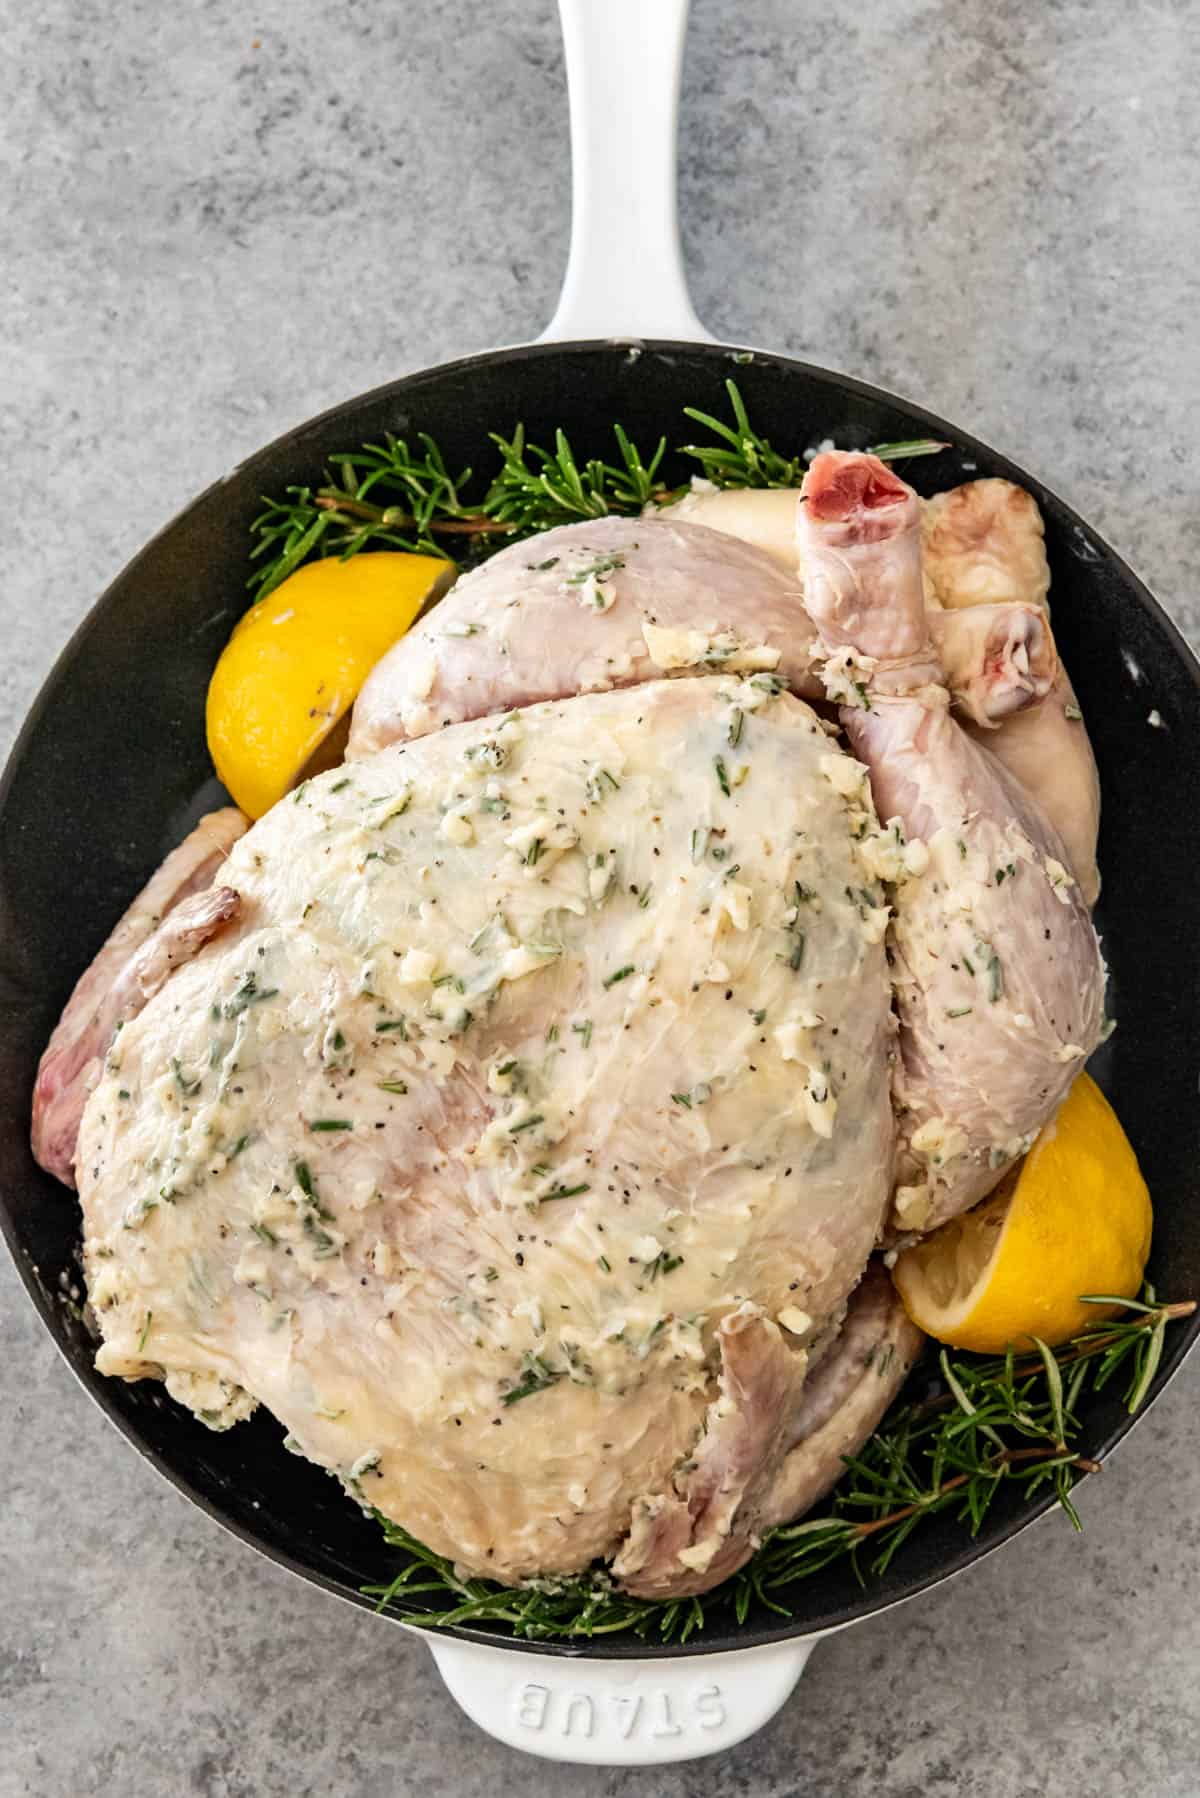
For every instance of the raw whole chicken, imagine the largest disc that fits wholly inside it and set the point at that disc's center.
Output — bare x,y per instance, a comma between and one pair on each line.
514,1111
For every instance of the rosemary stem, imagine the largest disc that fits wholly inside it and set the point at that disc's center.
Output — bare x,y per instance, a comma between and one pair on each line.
473,525
330,500
997,1464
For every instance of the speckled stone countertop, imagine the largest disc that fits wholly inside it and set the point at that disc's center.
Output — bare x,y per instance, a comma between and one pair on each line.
218,220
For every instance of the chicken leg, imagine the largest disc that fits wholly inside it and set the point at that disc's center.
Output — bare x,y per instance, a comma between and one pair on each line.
998,978
770,1449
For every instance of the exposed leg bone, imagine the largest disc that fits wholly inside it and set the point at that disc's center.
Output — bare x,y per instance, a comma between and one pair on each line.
999,660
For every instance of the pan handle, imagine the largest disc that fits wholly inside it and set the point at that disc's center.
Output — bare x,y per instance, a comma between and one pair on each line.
625,273
610,1713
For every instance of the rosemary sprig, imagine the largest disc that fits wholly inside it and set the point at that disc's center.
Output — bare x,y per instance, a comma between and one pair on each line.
385,494
1007,1421
536,489
743,458
398,495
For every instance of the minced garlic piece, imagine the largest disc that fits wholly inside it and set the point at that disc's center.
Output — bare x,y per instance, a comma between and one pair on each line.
457,826
844,774
939,1141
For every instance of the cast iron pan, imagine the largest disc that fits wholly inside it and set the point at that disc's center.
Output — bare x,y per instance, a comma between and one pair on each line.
111,768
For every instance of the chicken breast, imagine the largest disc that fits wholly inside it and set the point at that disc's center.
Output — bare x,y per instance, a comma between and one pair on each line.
585,608
526,1126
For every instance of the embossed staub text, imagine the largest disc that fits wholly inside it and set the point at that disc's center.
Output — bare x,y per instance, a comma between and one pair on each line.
651,1715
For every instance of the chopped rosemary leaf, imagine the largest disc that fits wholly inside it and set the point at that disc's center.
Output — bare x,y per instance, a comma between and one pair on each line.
722,774
598,782
535,1377
684,1099
340,786
392,1086
598,569
564,1192
526,1124
644,896
327,1124
603,1263
621,974
737,723
188,1087
995,974
247,994
145,1331
399,1025
584,1033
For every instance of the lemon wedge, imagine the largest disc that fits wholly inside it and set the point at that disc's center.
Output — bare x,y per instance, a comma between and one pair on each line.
1074,1217
294,665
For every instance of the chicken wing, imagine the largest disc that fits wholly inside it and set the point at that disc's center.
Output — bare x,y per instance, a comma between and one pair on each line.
172,917
984,545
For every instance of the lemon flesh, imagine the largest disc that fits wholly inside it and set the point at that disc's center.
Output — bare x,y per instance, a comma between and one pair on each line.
1073,1218
295,663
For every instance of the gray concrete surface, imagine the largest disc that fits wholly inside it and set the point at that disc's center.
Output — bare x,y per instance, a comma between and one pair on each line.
219,219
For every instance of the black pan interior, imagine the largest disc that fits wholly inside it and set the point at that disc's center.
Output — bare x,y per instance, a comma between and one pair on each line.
112,765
